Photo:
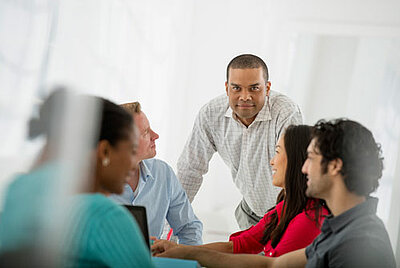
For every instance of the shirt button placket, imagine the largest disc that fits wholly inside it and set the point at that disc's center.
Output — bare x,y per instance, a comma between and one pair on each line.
245,151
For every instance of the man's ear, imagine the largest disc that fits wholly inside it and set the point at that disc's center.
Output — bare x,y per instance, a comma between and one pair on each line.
268,85
226,88
335,166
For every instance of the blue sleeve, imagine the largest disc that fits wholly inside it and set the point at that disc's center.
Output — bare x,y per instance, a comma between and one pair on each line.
180,215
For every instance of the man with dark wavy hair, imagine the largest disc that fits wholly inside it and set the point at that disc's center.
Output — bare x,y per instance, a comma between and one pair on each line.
343,167
360,158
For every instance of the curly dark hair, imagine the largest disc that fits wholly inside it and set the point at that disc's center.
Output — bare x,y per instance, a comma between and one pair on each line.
356,147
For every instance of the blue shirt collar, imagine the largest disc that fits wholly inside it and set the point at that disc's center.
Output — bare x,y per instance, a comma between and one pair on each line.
144,172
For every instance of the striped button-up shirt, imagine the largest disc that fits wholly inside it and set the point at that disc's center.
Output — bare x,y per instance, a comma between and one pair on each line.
247,151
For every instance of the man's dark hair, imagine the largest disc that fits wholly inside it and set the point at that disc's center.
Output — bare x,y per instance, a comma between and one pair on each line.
356,147
247,61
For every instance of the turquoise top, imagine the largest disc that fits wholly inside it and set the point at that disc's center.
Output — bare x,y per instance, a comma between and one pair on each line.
99,232
25,206
104,234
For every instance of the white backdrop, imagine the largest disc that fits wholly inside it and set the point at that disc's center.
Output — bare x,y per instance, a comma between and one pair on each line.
334,58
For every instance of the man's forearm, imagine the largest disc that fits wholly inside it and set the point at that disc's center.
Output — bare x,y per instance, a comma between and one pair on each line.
226,247
211,258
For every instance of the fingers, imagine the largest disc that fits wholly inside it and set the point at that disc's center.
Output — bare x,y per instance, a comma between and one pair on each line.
157,247
165,254
161,254
152,240
175,252
160,246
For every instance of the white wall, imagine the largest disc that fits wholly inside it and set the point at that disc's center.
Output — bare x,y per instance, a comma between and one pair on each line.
334,58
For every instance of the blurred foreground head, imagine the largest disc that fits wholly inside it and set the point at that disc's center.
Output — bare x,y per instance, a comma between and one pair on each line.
110,139
90,147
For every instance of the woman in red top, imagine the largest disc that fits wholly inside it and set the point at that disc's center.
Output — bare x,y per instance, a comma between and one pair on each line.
296,219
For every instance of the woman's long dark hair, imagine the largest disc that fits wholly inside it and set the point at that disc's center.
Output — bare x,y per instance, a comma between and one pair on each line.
296,140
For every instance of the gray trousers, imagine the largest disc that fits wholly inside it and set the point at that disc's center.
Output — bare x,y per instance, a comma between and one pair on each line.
245,217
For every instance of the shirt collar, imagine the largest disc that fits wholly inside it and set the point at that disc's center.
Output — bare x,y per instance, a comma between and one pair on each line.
337,223
144,171
263,115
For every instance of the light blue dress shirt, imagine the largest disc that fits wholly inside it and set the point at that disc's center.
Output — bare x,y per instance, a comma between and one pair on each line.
164,198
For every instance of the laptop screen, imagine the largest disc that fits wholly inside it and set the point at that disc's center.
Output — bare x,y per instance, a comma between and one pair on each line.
139,213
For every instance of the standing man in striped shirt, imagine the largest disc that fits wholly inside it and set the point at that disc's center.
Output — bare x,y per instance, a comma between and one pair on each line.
243,126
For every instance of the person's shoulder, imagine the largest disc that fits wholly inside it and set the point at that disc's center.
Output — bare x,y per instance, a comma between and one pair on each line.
218,105
98,214
160,170
369,225
92,199
365,229
366,245
38,180
313,208
307,216
97,205
276,209
156,164
18,181
278,99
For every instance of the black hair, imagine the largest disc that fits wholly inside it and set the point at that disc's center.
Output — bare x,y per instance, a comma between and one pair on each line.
356,147
116,122
296,141
247,61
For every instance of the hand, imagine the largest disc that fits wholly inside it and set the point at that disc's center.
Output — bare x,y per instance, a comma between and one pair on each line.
160,246
177,252
152,240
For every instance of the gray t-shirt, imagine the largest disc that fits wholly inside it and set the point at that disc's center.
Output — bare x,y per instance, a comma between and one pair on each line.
355,238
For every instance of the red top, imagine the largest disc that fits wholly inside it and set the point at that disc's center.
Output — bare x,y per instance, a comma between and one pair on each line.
300,232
